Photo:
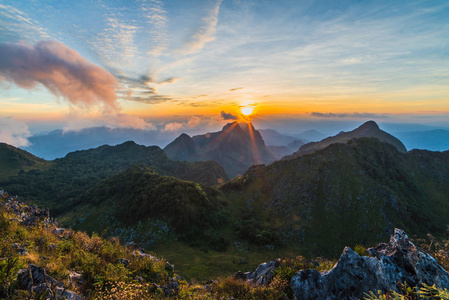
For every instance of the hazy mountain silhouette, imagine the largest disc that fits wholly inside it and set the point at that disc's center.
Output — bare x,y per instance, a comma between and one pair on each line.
434,140
311,135
236,147
57,143
368,129
274,138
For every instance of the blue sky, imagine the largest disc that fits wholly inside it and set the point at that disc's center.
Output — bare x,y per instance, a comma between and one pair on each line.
312,60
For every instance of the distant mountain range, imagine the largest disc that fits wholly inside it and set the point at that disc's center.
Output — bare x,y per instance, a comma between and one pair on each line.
348,189
368,129
434,140
58,143
236,147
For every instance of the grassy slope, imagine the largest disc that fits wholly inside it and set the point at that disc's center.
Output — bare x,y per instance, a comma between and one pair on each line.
12,160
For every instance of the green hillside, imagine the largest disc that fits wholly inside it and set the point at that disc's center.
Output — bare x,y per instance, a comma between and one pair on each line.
13,159
67,182
360,190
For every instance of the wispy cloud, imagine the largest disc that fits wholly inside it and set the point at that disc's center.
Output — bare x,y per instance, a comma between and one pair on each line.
14,132
346,115
142,89
19,26
169,80
235,89
61,70
206,32
156,17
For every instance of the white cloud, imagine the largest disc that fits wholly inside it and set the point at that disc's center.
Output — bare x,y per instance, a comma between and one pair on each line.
173,126
194,121
206,32
78,121
14,132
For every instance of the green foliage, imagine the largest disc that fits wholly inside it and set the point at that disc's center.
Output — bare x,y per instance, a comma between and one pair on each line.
360,250
139,194
250,228
8,275
69,180
409,293
12,160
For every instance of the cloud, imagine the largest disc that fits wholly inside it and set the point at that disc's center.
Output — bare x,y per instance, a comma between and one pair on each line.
169,80
78,121
139,89
14,132
206,32
121,120
345,115
173,126
226,116
235,89
194,121
61,70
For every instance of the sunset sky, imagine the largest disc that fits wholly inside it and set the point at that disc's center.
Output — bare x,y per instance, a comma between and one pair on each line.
180,64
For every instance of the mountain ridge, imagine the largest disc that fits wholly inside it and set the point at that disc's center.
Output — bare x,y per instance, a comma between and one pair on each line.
366,130
236,147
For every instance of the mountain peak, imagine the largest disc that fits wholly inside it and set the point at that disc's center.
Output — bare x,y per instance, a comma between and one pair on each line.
370,125
367,129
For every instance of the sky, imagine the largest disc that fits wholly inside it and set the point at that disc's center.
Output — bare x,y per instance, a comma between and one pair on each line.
181,65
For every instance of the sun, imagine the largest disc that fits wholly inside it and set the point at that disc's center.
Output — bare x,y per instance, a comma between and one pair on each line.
247,110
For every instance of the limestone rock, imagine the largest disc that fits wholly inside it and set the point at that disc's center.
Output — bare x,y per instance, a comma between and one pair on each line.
390,264
262,275
35,279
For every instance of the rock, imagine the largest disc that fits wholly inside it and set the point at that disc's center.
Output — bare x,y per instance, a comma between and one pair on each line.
123,261
52,246
35,279
390,264
76,278
58,231
169,267
172,288
262,275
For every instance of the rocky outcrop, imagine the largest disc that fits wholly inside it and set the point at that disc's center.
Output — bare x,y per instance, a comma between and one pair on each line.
29,215
388,266
35,279
262,275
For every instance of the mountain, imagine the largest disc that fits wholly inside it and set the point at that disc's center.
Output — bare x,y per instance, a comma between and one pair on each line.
165,206
13,159
58,143
364,188
274,138
68,180
434,140
236,147
368,129
311,135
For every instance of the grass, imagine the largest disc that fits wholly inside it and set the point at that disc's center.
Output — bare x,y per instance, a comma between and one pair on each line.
194,263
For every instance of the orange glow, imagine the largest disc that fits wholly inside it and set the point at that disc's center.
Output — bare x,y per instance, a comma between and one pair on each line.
247,110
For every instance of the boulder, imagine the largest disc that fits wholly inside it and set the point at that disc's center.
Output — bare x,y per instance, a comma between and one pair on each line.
262,275
388,266
35,279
